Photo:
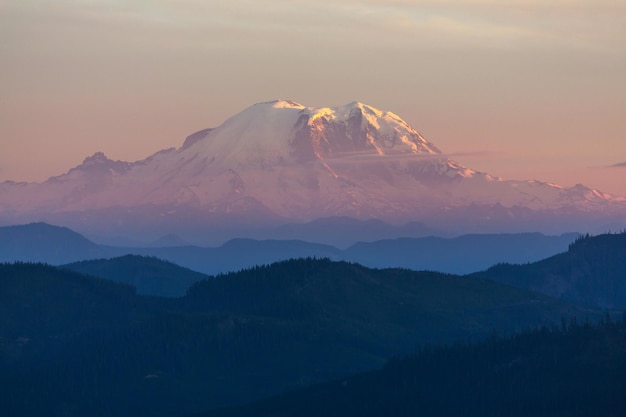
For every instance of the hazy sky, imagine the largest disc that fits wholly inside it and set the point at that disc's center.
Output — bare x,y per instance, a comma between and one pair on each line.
522,89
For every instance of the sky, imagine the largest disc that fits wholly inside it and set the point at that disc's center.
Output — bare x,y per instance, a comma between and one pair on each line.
521,89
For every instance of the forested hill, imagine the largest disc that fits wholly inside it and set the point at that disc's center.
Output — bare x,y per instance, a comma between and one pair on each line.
73,345
150,275
573,370
41,303
592,272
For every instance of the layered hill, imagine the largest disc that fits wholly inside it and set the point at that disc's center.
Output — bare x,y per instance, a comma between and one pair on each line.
281,162
40,242
591,272
149,275
76,345
575,370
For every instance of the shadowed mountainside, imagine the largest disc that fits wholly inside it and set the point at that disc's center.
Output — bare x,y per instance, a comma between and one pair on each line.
591,272
575,370
75,345
151,276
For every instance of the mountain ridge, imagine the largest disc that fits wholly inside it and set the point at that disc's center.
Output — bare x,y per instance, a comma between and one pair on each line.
280,162
149,275
591,272
451,255
92,345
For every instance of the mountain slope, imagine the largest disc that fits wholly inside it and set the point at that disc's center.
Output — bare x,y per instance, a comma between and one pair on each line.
44,310
328,290
460,255
574,371
151,276
591,272
280,162
463,254
76,345
41,242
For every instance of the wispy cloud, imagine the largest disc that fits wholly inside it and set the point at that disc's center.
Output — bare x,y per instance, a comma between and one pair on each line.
589,23
478,154
618,165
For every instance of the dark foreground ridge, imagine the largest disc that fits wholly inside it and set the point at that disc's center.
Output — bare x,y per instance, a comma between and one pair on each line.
574,370
73,345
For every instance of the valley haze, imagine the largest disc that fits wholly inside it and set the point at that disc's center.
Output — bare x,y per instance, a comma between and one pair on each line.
40,242
280,163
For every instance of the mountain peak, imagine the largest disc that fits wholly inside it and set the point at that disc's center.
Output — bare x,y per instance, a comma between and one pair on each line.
365,108
99,162
279,132
96,159
358,127
281,161
281,104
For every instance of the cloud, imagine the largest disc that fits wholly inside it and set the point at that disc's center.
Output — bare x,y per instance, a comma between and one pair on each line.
478,154
494,23
618,165
488,23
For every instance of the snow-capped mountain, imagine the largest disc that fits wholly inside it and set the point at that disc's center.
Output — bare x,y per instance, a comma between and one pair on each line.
280,161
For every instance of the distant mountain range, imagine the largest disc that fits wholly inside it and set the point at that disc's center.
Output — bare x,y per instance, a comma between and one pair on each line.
591,272
279,163
584,270
41,242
